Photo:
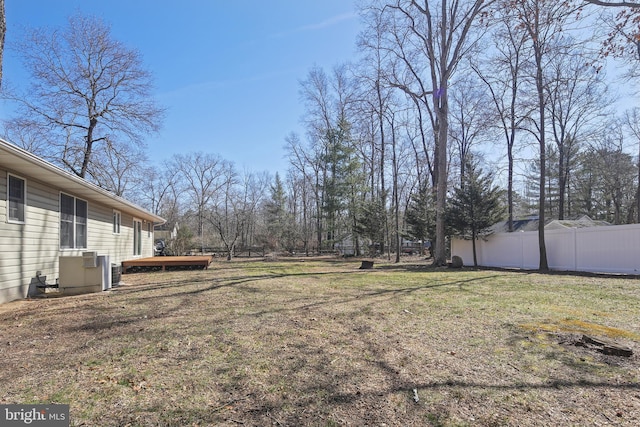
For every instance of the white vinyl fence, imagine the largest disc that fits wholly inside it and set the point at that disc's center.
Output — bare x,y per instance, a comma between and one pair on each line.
611,249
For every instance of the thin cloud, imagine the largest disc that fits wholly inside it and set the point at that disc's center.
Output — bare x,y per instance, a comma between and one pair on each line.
334,20
328,22
212,85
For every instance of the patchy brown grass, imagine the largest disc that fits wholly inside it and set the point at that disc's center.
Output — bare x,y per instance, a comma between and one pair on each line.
322,343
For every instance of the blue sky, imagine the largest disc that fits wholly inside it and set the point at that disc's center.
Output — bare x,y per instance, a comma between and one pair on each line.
227,71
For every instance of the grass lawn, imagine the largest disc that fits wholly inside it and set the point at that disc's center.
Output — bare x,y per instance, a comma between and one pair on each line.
322,343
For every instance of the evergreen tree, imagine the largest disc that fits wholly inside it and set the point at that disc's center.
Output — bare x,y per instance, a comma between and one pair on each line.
421,214
475,206
341,177
276,215
370,223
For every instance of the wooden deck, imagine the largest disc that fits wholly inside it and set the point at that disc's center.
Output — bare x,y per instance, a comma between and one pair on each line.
168,261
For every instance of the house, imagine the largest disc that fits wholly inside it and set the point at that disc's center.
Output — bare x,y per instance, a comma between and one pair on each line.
167,231
531,224
51,218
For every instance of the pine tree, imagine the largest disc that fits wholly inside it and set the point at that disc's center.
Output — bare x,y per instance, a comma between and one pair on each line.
276,220
475,206
341,181
421,214
370,224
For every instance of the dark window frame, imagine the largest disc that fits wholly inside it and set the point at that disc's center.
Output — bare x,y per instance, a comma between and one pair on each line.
74,222
117,221
137,237
16,203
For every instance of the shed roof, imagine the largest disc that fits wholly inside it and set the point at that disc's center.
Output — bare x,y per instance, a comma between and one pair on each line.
22,162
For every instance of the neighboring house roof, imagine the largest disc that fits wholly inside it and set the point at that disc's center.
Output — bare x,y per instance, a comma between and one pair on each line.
167,226
522,224
581,222
22,162
531,224
168,230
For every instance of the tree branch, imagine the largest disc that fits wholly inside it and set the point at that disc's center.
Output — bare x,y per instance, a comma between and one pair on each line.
622,3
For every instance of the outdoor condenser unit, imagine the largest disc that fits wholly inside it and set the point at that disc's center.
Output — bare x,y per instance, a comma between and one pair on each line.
84,274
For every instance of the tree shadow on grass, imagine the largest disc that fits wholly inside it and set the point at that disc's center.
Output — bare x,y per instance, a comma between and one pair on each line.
143,296
317,380
323,388
321,385
423,268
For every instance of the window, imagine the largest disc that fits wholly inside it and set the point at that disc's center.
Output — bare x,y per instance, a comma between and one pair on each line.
81,223
117,218
16,197
149,229
73,222
137,237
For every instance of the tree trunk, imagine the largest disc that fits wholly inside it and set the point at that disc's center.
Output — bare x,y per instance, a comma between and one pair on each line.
511,138
562,181
440,256
88,147
510,186
638,192
396,202
305,225
318,215
544,265
383,190
473,245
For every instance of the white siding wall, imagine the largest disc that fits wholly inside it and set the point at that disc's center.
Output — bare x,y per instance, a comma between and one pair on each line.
118,246
35,245
29,247
611,249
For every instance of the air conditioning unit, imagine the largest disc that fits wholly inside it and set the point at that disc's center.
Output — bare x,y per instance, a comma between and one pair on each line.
79,274
90,259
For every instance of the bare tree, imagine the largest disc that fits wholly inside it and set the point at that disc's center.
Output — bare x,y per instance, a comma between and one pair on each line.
631,121
622,3
615,176
430,40
301,174
235,205
543,21
504,79
30,137
622,40
328,100
88,90
203,176
470,119
120,171
577,99
376,82
161,191
158,191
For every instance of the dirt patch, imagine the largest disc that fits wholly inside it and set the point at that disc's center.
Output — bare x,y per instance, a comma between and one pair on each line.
606,350
325,344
